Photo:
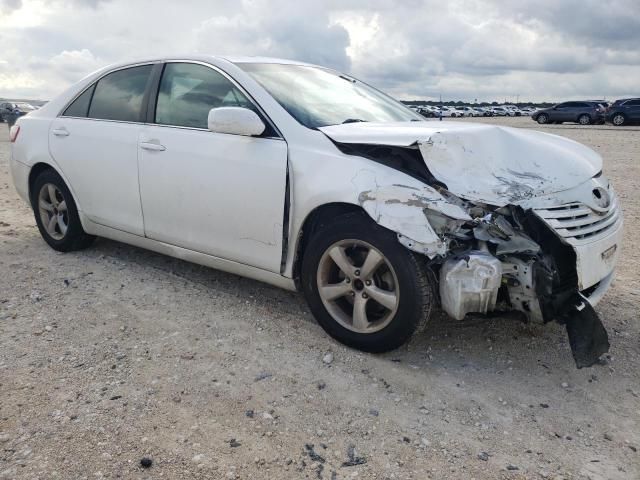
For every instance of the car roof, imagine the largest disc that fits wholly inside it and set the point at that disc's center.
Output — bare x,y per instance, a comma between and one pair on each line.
208,58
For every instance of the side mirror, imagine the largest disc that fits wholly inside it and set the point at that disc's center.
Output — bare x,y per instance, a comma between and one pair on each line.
236,121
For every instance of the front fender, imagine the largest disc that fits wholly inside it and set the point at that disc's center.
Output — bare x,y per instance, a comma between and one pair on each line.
403,208
393,199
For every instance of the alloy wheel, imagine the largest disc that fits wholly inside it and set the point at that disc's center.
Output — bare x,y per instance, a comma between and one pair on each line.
618,119
52,208
358,286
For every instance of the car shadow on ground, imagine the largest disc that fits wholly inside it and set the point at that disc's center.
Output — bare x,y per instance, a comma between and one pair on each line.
497,342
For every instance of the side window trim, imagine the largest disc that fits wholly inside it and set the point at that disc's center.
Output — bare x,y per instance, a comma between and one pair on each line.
151,96
155,91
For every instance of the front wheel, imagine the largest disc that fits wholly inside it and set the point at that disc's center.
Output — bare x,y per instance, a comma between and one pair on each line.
618,119
56,213
542,118
364,288
584,119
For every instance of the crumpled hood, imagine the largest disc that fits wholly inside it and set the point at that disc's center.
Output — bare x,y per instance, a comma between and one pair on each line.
486,163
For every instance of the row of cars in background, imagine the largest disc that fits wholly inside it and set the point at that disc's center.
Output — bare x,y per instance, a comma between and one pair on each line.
621,112
11,111
438,111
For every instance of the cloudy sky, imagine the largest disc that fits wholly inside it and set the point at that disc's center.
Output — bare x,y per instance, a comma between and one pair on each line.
413,49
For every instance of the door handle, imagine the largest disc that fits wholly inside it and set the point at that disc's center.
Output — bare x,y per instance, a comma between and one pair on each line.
156,147
60,132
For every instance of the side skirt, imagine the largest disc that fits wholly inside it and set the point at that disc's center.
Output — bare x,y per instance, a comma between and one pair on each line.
189,255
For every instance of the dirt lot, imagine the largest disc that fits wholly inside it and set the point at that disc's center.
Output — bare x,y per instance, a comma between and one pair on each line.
115,354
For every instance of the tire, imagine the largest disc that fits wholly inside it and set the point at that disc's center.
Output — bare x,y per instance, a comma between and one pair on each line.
584,119
401,273
542,118
618,119
67,234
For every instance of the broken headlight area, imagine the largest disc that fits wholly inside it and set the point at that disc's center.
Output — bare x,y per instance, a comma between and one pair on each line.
506,259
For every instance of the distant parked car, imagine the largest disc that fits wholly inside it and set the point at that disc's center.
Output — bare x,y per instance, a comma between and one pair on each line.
429,111
461,111
512,111
447,111
499,111
624,111
16,109
484,111
584,113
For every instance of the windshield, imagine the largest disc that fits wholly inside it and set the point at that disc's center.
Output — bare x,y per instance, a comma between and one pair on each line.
317,97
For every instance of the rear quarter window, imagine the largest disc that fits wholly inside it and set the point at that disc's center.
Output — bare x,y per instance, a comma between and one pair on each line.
80,106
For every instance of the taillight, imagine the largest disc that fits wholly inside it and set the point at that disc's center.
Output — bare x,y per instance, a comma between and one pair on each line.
13,133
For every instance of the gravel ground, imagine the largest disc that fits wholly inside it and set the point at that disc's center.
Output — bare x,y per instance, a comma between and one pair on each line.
116,354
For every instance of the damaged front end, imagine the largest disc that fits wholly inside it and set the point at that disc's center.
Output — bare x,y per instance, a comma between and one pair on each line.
493,258
513,261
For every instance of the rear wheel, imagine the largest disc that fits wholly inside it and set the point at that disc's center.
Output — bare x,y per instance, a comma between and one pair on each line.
619,119
542,118
364,288
56,213
584,119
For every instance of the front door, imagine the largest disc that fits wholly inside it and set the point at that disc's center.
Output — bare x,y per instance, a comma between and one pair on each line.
563,112
214,193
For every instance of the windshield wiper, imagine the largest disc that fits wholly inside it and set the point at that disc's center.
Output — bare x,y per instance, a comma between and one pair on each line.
353,120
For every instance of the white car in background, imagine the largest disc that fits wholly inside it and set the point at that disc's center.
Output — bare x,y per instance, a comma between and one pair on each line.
467,111
513,111
446,111
308,179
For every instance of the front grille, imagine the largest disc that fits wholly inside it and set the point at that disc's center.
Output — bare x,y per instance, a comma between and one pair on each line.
577,223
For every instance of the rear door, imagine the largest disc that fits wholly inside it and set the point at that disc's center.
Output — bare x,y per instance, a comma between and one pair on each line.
632,109
583,107
95,142
214,193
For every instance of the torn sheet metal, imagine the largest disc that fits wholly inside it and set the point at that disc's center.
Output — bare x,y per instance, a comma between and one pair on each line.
484,163
402,208
587,336
496,229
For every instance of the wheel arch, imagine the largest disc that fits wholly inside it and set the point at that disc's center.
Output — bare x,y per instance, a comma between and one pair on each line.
36,170
39,167
314,221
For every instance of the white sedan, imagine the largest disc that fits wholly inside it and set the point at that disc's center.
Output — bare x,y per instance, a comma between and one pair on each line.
308,179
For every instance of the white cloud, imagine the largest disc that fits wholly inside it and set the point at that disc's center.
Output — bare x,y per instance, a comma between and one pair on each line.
539,49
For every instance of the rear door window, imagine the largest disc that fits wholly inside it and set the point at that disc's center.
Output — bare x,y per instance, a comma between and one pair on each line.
119,95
